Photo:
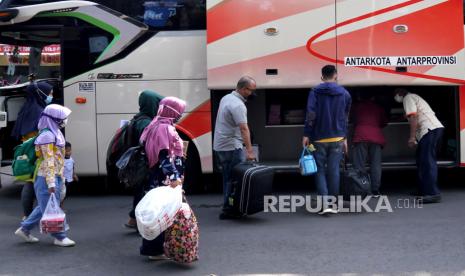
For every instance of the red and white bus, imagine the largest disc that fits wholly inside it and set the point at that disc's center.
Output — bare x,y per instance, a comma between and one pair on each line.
197,50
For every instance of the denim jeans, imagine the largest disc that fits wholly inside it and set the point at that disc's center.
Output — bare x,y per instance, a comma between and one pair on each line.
228,160
328,157
41,189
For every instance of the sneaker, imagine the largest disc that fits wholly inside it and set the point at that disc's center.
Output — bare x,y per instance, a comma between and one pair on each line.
66,242
160,257
325,211
333,211
27,237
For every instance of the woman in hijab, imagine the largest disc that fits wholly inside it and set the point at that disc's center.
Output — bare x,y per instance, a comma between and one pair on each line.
39,94
50,150
164,149
148,107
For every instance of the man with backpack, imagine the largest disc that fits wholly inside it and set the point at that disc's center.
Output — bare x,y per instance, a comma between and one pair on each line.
128,136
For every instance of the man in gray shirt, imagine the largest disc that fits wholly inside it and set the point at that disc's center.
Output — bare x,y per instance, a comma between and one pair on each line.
231,133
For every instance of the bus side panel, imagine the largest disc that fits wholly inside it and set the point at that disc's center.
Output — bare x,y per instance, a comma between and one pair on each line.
81,131
401,29
462,126
118,100
268,42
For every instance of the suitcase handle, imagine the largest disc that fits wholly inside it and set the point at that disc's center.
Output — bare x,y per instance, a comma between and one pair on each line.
250,162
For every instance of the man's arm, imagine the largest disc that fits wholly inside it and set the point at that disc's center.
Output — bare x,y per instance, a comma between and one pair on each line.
411,109
309,118
245,133
348,108
413,121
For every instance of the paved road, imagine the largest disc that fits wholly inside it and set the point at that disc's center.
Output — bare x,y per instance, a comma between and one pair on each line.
426,241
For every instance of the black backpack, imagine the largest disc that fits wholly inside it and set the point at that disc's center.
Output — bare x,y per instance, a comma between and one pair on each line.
133,167
122,141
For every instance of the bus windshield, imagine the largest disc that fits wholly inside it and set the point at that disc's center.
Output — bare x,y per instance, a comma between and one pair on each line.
163,14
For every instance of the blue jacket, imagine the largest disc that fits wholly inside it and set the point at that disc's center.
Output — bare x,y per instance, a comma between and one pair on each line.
328,110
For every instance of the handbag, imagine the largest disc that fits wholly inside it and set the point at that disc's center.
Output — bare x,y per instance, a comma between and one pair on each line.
307,163
182,237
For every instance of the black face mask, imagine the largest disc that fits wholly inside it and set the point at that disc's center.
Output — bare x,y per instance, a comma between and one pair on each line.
252,97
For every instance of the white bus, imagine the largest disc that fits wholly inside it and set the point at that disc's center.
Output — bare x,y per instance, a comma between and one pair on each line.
101,60
197,50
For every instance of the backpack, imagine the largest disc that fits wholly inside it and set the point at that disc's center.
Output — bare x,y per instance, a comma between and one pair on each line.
133,167
24,159
122,141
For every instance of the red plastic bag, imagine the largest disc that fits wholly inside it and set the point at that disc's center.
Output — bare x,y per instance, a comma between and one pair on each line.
53,218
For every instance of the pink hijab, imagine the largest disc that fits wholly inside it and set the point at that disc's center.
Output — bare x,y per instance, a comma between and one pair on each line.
161,134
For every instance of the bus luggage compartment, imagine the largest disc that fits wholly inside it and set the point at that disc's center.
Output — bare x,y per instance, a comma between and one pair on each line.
276,118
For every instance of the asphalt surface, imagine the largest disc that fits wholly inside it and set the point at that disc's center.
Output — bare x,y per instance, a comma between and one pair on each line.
408,241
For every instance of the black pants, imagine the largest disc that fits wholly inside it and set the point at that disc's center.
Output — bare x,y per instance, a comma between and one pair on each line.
427,162
139,193
371,151
153,247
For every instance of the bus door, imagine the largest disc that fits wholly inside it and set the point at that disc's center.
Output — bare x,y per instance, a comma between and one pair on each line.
27,52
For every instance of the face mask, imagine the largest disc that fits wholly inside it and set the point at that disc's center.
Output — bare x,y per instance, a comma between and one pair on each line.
49,99
252,97
63,123
398,98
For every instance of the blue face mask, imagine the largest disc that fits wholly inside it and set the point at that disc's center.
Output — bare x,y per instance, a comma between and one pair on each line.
49,99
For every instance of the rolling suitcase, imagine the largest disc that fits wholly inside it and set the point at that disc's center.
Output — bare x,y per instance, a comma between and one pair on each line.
250,182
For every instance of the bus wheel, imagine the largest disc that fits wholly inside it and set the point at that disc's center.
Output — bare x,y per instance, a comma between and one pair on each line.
193,172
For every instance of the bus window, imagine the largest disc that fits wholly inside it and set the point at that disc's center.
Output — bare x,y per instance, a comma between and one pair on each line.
82,46
18,61
163,14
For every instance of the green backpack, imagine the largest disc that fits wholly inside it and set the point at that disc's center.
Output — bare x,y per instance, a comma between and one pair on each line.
24,162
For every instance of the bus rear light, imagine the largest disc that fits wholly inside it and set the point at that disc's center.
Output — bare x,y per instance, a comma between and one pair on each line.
81,100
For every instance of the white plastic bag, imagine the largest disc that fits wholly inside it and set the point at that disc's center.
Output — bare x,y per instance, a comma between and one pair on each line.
157,210
53,218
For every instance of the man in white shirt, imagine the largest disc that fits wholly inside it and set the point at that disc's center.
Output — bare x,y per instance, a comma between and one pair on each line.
425,133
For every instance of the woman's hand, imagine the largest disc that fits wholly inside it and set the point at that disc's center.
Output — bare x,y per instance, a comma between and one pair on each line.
51,190
175,183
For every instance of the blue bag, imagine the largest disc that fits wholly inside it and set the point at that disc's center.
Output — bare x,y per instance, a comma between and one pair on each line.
307,163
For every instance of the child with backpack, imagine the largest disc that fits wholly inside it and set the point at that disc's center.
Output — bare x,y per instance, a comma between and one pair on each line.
50,150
